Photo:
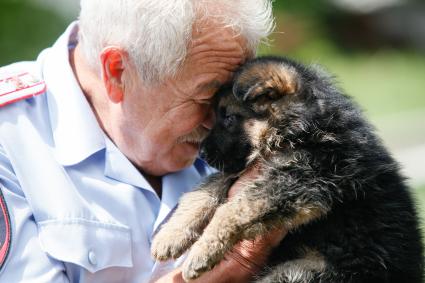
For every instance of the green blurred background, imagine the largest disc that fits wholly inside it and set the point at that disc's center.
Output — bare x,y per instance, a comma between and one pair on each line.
375,48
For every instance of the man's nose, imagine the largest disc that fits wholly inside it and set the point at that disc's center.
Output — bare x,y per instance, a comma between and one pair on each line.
209,119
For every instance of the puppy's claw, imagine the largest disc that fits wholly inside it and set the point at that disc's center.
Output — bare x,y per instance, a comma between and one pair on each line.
167,246
198,261
194,266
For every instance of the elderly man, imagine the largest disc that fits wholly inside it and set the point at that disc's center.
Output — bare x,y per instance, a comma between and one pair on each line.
99,138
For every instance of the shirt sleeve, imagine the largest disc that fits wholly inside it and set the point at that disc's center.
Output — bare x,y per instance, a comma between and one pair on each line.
23,259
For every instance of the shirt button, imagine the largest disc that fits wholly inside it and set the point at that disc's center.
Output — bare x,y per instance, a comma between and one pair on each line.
92,258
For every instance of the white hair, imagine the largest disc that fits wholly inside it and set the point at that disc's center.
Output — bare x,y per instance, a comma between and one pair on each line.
156,33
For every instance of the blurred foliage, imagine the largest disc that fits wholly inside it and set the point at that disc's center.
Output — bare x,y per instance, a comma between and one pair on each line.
384,80
305,7
25,30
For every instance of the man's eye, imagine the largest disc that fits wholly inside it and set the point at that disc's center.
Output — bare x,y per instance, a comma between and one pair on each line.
230,120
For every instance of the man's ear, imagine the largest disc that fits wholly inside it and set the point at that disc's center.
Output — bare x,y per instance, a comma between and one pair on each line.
112,59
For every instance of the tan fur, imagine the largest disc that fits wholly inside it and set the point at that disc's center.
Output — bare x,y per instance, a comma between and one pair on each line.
188,221
225,229
312,260
275,80
304,215
256,131
296,270
281,77
301,270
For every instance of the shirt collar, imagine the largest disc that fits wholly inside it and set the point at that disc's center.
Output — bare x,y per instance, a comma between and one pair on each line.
76,132
119,168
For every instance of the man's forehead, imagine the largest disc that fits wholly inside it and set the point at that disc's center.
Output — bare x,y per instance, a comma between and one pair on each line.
215,31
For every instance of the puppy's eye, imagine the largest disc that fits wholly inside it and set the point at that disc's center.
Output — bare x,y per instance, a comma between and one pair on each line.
230,120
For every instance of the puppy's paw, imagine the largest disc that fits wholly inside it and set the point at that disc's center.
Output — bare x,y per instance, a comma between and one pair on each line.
168,244
195,265
200,259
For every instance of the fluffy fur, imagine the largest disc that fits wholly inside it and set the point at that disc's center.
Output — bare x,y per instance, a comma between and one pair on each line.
325,176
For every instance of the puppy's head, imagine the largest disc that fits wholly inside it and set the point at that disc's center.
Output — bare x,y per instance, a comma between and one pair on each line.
229,145
271,106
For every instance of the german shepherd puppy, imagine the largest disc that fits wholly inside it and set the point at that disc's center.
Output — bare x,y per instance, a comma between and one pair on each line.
325,177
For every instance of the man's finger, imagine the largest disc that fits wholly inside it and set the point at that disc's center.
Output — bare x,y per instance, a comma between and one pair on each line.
244,180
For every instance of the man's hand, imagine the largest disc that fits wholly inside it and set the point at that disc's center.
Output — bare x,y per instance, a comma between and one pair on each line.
250,255
246,258
239,265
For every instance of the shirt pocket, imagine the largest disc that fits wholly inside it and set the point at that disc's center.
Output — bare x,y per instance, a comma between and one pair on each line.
91,244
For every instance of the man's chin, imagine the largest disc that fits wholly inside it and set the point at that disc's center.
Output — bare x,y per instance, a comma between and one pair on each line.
195,147
185,155
190,151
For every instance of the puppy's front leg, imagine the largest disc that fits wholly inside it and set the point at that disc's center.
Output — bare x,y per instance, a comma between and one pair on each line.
226,228
283,201
193,213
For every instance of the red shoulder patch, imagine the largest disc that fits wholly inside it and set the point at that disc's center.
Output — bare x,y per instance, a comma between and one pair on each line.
5,230
18,87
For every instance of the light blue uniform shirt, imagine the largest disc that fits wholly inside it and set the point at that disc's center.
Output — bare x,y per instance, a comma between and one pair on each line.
80,211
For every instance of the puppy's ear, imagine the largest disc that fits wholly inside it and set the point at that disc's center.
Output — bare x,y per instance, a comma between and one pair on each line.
264,82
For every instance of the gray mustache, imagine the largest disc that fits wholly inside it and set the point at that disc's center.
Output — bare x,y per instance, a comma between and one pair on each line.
196,136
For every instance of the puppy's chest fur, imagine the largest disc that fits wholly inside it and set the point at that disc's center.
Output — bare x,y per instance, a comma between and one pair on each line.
325,177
